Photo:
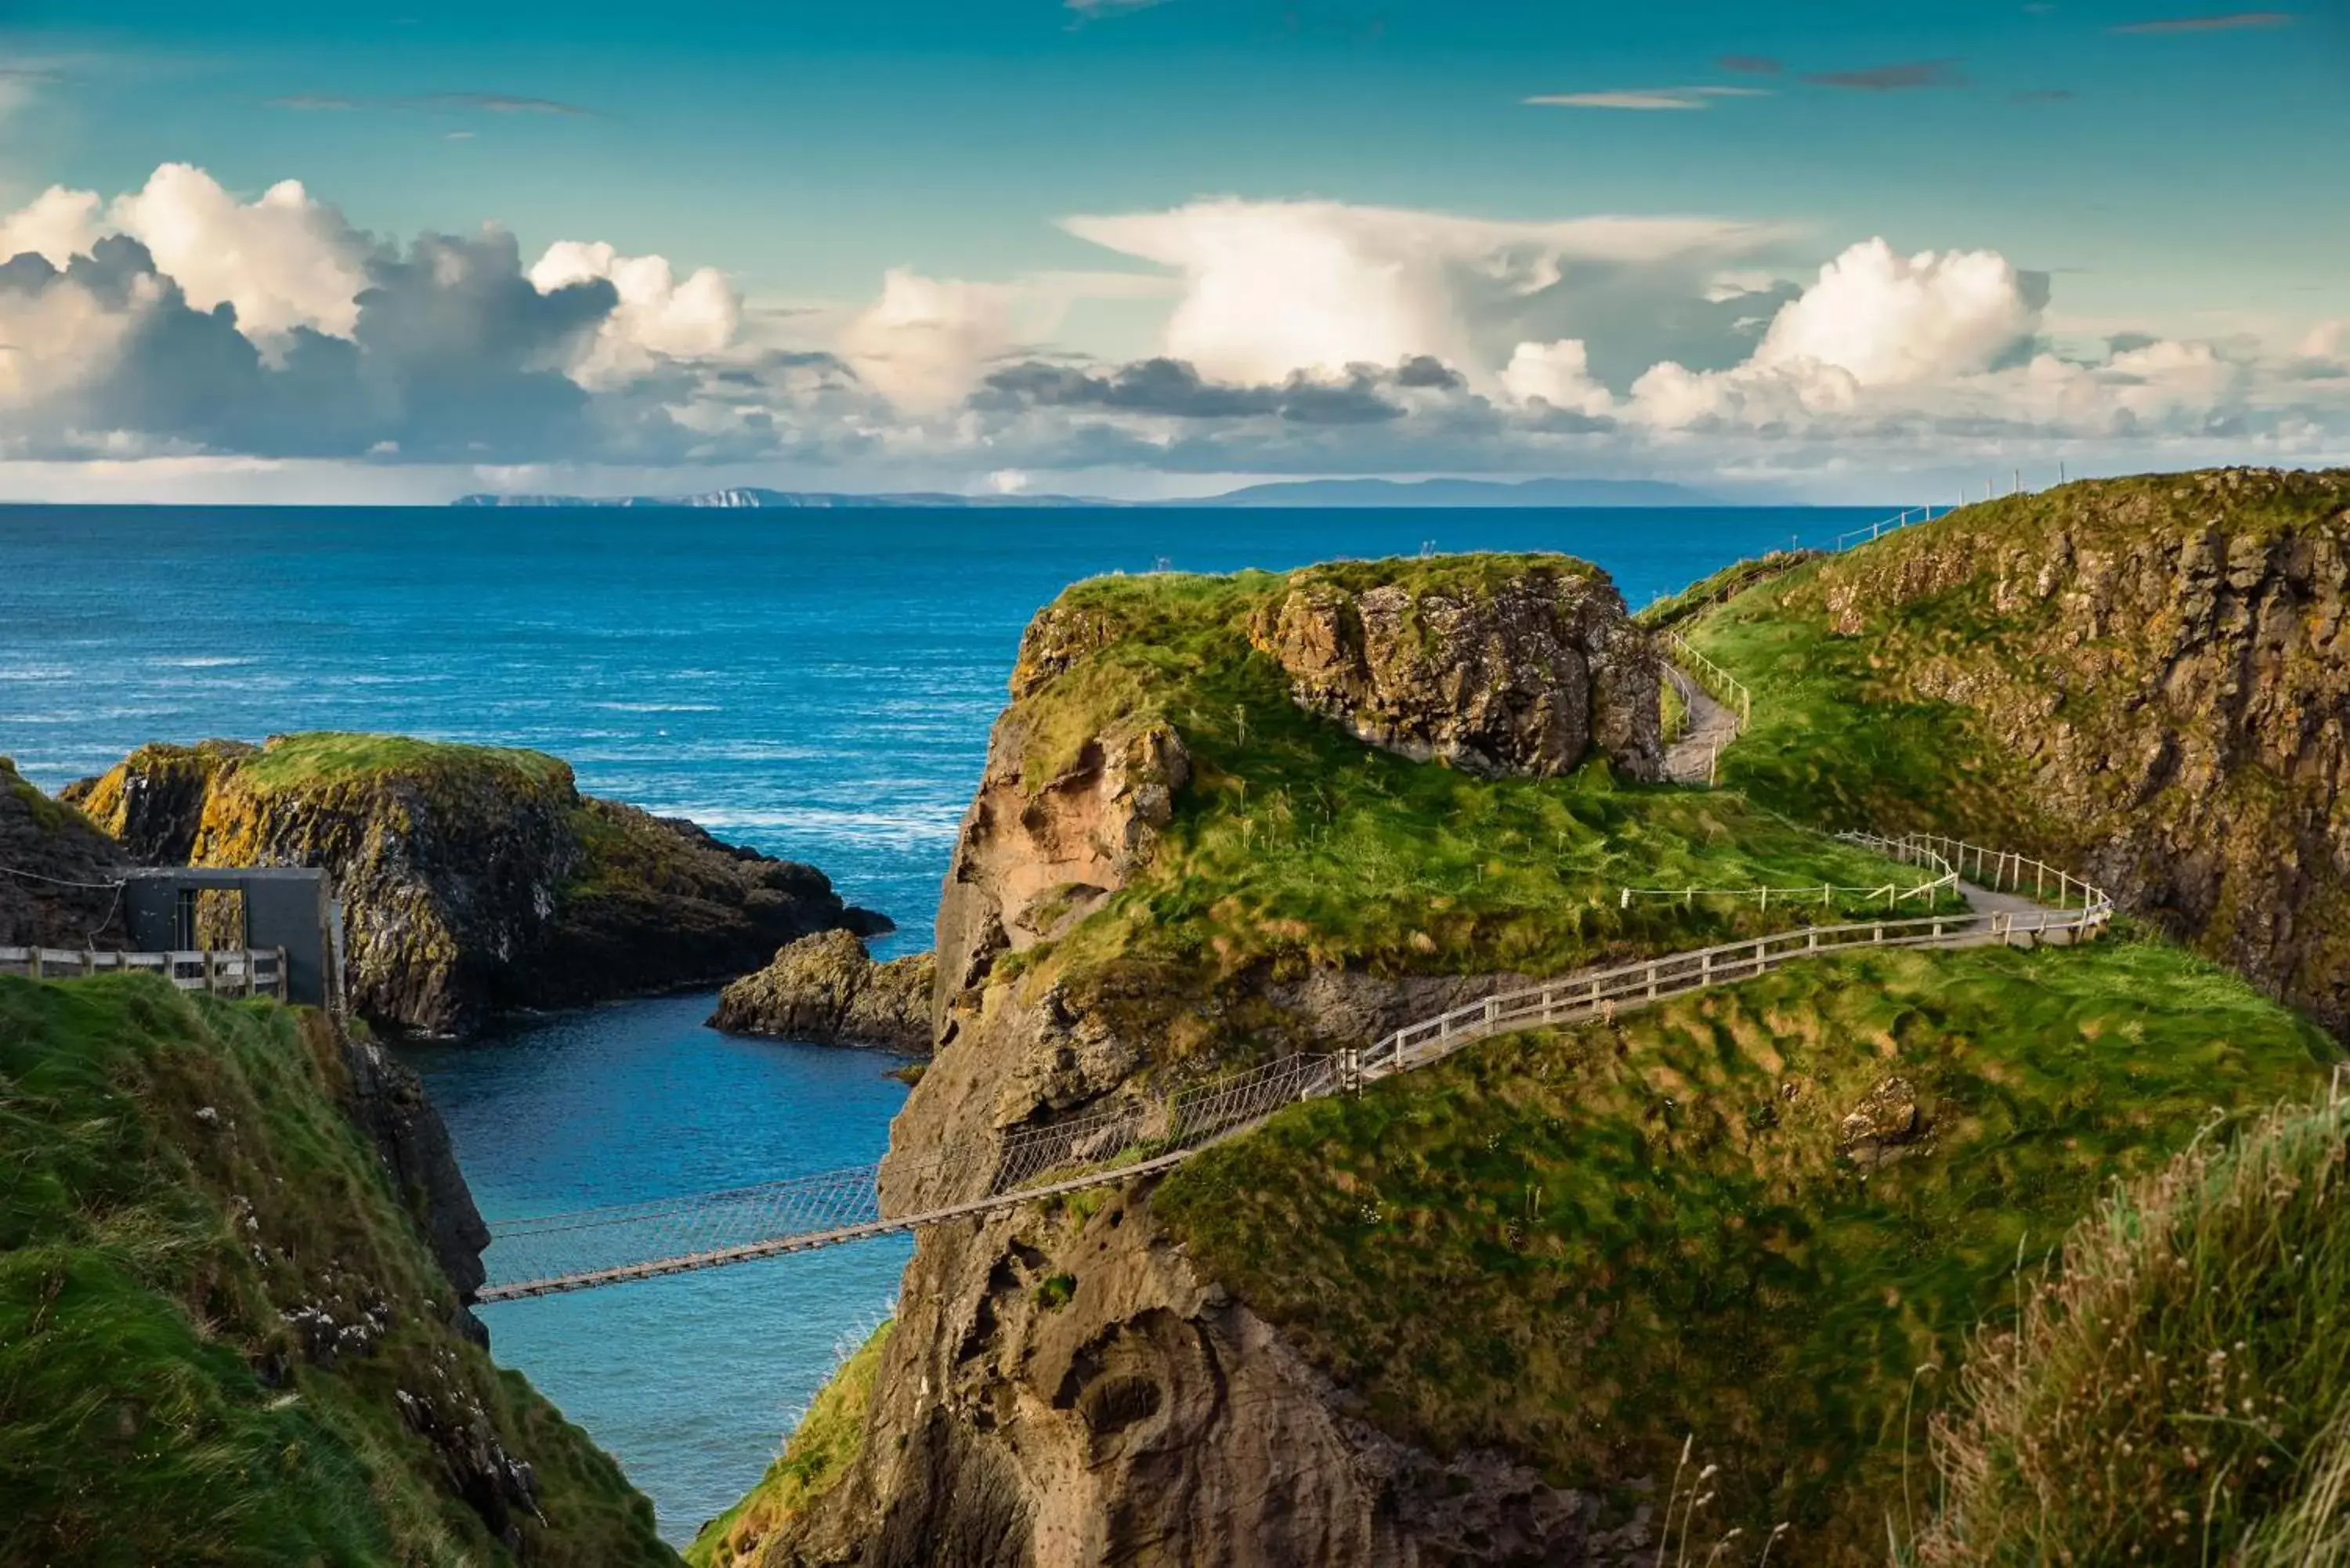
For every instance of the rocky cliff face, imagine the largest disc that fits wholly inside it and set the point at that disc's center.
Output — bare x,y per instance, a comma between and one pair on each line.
56,888
1035,856
827,989
472,879
2167,659
1064,1388
1525,674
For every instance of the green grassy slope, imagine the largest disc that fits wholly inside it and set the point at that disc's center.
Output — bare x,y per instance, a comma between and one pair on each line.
1584,1246
1295,845
212,1303
2175,1393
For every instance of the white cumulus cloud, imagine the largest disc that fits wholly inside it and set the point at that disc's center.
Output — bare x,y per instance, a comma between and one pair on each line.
1890,320
926,341
1558,374
56,226
282,259
1269,288
659,316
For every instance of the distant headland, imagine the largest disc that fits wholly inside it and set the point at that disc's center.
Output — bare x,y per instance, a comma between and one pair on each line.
1291,492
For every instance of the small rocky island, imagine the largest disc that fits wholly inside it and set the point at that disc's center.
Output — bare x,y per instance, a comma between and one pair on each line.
473,878
826,990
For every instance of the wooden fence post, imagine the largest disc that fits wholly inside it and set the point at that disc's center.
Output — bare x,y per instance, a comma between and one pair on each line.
33,960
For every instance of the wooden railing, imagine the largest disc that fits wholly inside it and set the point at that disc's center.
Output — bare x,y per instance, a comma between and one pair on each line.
246,972
1601,992
1724,686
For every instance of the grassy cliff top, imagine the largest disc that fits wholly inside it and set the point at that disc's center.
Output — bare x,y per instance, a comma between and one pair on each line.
1295,845
331,756
2246,502
1583,1246
186,1204
47,814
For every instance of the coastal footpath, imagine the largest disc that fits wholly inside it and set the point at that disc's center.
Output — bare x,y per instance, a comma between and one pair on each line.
473,878
2148,679
1507,1309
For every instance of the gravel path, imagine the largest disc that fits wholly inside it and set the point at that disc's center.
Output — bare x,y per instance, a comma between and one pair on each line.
1710,727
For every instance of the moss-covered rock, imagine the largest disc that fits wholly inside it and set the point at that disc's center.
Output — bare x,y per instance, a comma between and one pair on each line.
471,877
825,989
224,1334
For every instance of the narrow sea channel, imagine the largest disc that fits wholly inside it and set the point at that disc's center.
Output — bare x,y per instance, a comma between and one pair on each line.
690,1381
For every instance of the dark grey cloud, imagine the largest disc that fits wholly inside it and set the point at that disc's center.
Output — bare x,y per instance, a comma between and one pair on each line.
1900,78
456,357
1174,388
1427,370
2225,22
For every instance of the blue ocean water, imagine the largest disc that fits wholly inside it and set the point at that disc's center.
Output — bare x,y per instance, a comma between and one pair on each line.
816,683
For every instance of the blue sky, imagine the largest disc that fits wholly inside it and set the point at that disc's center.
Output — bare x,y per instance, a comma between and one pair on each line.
2173,171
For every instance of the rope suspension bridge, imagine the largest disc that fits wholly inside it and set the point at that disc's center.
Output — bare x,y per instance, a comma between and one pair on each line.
1151,1133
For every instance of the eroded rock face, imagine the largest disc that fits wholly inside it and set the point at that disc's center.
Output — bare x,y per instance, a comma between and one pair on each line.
827,990
2168,662
1029,861
1527,676
473,879
1072,1393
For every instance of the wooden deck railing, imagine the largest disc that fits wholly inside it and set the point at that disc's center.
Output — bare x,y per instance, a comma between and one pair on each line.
247,971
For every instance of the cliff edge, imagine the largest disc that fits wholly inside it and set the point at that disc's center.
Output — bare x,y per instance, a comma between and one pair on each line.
472,878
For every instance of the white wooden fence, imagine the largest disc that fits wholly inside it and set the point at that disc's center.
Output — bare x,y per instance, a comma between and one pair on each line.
1724,686
2082,911
248,972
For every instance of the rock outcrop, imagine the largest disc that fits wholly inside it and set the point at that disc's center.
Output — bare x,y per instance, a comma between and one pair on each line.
56,872
472,879
1035,856
826,990
1525,672
2165,663
1064,1388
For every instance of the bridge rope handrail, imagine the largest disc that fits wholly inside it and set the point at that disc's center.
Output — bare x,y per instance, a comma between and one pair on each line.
678,1235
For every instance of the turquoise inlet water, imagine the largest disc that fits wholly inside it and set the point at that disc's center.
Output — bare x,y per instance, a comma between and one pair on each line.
817,684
